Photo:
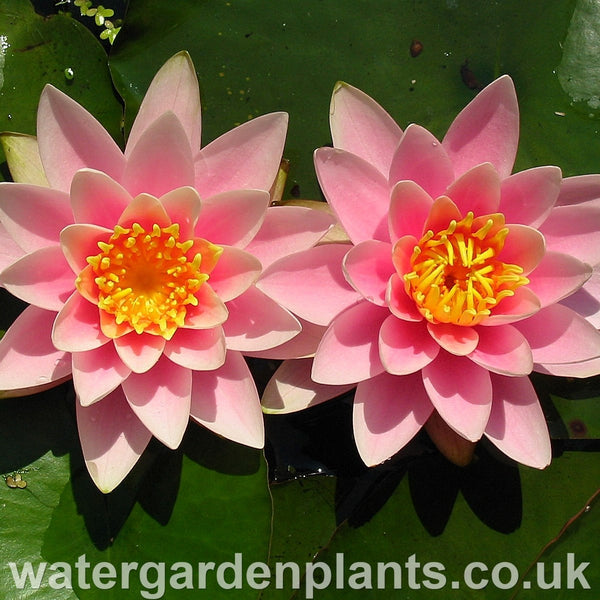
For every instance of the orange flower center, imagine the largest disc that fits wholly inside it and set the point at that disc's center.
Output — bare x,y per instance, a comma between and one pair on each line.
456,276
148,278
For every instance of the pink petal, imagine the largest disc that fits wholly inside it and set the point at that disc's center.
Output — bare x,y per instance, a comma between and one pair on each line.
584,369
574,230
182,205
586,301
97,373
97,199
388,412
246,157
517,425
461,392
291,388
161,400
405,347
10,251
140,352
477,191
235,272
200,350
357,192
29,362
456,339
293,280
174,88
161,160
112,439
443,212
557,334
524,246
528,196
288,229
20,207
557,276
349,350
145,210
409,208
361,126
422,159
486,130
232,218
70,139
210,311
503,350
226,402
77,326
256,322
399,303
302,345
575,190
511,309
80,241
368,267
42,278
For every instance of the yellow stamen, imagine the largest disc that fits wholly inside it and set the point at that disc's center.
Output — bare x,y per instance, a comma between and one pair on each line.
456,277
146,278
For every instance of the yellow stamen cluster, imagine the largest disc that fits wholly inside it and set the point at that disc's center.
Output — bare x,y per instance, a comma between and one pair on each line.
456,276
146,278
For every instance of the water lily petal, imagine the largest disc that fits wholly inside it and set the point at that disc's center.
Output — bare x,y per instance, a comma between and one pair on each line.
256,322
578,189
288,229
422,159
517,425
557,276
586,301
235,272
28,342
161,160
18,201
486,130
558,334
197,349
404,346
98,372
477,190
112,439
443,211
70,138
210,312
583,369
146,210
461,392
140,352
368,267
246,157
291,388
226,402
349,350
456,339
80,241
388,412
574,230
398,301
409,208
232,218
357,192
292,282
503,350
528,197
77,326
10,251
97,199
42,278
161,399
182,205
524,246
174,88
511,309
361,126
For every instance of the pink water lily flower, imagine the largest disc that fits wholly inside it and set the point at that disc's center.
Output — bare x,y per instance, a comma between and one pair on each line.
453,287
140,269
